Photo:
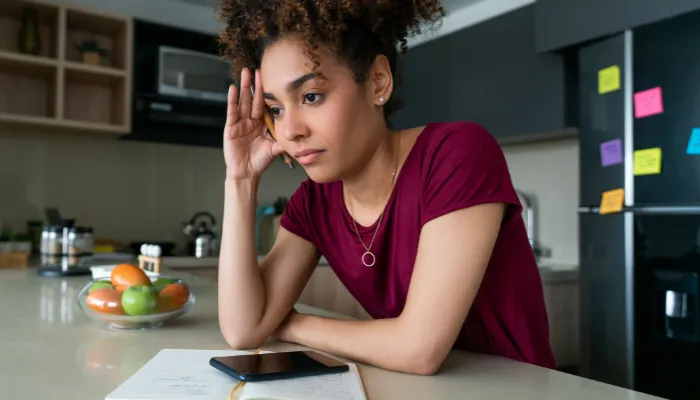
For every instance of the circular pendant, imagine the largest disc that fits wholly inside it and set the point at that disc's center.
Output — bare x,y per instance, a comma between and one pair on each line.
371,263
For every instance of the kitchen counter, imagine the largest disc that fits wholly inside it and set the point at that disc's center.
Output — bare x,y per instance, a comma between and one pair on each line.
50,349
550,273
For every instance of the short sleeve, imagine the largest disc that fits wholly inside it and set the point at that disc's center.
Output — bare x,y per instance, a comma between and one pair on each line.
295,217
465,166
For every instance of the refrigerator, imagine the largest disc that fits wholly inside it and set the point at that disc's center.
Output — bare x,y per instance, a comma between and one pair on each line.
639,96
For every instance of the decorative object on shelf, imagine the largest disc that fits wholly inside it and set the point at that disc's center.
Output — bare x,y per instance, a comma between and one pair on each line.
91,51
28,40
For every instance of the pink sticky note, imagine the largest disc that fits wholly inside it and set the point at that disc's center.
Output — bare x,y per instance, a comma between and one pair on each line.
648,102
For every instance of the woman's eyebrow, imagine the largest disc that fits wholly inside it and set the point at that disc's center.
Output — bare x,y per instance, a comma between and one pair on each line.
293,85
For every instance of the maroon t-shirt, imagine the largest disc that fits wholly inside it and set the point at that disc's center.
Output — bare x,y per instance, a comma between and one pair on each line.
451,166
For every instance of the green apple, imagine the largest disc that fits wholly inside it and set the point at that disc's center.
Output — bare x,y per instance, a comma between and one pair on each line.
160,283
99,285
139,300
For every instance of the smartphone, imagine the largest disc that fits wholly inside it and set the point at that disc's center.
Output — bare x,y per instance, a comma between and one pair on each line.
273,366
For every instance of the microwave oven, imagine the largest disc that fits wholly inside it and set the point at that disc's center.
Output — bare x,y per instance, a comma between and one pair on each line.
192,74
180,86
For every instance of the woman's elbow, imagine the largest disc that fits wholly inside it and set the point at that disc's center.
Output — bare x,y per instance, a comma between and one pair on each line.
241,340
423,362
425,367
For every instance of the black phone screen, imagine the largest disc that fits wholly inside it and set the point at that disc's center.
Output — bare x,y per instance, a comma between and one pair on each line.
276,365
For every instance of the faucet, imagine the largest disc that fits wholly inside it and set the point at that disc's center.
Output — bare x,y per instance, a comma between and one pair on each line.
530,222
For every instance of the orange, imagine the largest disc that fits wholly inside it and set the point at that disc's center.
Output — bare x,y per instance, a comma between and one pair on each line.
172,297
125,275
106,300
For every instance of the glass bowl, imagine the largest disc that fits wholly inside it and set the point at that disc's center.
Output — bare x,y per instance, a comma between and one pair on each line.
152,309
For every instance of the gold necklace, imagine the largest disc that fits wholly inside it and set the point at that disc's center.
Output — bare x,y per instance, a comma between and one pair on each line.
368,249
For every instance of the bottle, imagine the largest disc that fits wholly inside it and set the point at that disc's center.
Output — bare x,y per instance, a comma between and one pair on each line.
29,41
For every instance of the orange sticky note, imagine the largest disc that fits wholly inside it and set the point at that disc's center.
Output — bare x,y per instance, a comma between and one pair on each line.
612,201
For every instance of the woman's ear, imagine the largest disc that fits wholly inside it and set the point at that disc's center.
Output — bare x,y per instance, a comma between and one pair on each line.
381,81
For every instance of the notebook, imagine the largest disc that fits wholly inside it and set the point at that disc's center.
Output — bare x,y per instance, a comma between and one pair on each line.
181,374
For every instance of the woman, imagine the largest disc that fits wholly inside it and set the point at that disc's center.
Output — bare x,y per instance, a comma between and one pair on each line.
423,226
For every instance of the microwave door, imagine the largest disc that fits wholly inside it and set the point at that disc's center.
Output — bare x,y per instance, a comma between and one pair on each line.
192,74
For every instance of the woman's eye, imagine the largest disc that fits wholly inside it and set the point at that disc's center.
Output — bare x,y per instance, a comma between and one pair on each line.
275,111
312,98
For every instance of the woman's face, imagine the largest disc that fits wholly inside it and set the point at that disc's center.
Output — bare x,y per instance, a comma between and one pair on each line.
330,125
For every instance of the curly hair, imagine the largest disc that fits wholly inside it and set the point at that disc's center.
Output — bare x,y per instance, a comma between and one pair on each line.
356,31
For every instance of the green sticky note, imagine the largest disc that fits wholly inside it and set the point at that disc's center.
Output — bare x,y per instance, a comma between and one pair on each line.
647,161
609,79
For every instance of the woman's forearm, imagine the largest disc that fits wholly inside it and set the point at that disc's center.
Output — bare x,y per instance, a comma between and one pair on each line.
241,287
384,343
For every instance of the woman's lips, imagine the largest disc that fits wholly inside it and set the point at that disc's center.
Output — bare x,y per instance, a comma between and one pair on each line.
305,157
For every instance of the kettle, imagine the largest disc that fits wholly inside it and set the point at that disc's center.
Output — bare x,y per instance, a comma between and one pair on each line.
202,237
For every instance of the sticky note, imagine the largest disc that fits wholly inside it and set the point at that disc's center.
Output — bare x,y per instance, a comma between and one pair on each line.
611,152
694,142
647,161
648,102
612,201
609,79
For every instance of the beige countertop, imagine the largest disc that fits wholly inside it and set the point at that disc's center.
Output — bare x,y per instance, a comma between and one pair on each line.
51,350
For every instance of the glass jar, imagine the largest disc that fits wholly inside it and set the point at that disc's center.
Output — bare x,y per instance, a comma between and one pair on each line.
51,245
80,245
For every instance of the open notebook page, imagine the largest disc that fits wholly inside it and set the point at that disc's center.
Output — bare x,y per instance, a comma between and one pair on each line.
176,374
339,386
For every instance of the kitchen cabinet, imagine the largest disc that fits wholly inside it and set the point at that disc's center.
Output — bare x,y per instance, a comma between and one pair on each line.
562,23
562,302
498,80
324,290
64,67
423,85
490,73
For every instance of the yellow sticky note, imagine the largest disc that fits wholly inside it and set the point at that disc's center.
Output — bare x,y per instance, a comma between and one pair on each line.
609,79
647,161
612,201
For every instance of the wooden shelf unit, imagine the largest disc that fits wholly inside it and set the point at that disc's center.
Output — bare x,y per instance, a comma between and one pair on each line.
55,88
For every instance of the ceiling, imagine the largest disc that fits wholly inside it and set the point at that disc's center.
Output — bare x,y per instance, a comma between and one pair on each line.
450,5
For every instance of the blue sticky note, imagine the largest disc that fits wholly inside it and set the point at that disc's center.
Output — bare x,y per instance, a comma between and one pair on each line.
694,142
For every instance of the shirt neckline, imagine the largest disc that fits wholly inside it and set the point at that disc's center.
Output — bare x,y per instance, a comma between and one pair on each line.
341,199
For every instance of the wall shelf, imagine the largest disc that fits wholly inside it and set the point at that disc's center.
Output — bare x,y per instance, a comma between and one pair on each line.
55,87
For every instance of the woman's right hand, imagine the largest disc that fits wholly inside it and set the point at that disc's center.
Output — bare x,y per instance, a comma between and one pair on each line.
248,149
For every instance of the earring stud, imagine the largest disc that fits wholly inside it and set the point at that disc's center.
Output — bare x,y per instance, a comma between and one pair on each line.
381,100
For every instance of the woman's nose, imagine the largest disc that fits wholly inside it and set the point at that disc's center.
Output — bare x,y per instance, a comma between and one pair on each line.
294,127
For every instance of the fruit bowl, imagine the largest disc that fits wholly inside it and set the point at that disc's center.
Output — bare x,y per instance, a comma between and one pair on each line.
144,305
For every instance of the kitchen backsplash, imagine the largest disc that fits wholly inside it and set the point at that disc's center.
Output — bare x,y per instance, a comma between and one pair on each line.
142,191
548,172
126,190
